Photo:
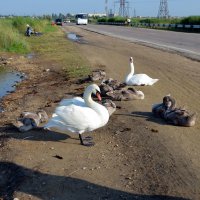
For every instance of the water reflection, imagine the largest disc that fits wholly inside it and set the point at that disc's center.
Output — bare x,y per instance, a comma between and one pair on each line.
8,81
30,55
76,38
73,36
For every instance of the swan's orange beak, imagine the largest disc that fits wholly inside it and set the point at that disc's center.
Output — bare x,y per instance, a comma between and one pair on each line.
98,96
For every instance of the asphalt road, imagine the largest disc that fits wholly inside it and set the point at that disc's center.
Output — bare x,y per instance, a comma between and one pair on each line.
187,44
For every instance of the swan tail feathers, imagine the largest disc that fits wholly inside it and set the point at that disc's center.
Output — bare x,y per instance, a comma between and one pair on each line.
154,81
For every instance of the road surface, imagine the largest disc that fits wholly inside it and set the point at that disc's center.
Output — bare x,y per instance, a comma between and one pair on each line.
187,44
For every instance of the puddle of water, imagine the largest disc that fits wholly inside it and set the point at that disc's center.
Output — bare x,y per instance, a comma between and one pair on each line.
30,55
76,38
8,81
73,36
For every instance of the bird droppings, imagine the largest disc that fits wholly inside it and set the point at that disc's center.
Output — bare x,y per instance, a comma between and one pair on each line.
154,130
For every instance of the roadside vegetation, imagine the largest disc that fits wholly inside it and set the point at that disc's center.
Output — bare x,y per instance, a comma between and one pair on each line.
52,46
12,32
10,38
187,20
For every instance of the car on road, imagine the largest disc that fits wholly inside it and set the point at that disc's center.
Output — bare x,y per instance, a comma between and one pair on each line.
59,22
67,21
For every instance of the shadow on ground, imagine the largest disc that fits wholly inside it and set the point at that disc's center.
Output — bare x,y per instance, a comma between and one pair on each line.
16,178
35,134
146,115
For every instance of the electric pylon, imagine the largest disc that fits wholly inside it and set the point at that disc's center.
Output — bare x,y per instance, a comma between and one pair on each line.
163,11
106,7
124,8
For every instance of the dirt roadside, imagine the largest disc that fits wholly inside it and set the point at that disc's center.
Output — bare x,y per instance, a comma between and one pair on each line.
130,159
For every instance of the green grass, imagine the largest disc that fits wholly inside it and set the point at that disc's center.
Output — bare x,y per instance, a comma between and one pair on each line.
20,23
54,47
77,71
11,40
12,33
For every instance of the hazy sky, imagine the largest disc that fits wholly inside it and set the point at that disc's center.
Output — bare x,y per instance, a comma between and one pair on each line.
142,7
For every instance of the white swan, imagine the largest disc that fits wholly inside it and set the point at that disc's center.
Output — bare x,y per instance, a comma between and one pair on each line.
138,79
80,115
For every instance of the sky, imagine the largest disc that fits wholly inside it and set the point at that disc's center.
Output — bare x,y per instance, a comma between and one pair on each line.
141,7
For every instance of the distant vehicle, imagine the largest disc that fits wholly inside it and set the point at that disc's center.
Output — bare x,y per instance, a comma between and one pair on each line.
81,19
67,21
59,22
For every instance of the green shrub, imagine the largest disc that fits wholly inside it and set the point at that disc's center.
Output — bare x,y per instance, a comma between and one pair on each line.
103,19
112,19
20,23
195,20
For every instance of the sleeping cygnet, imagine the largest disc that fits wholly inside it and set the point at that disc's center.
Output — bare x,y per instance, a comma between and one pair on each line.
180,117
30,120
125,94
114,84
177,116
97,75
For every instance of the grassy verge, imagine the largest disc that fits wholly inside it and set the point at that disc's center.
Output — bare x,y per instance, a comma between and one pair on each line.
54,48
52,45
12,33
10,39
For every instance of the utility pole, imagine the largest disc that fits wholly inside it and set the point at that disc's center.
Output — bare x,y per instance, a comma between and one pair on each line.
106,7
163,11
123,8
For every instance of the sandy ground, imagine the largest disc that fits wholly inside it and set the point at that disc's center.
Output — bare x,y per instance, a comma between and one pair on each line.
136,156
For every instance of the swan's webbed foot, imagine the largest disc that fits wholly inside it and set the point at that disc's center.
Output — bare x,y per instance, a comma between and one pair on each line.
88,138
87,141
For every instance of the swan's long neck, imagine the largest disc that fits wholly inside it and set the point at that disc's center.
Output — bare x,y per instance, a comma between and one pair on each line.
100,109
88,99
129,76
132,68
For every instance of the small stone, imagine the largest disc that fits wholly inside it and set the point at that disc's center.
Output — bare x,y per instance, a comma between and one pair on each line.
84,168
117,132
52,148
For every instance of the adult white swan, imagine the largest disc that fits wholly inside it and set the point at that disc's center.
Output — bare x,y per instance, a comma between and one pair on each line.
80,115
138,79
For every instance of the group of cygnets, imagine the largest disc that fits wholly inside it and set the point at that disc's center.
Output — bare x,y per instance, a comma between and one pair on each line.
81,115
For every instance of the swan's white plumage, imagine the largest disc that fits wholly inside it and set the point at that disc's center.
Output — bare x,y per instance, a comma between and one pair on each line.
79,115
138,79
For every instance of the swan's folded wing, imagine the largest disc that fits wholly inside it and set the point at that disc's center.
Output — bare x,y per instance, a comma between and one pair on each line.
141,79
77,118
76,101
